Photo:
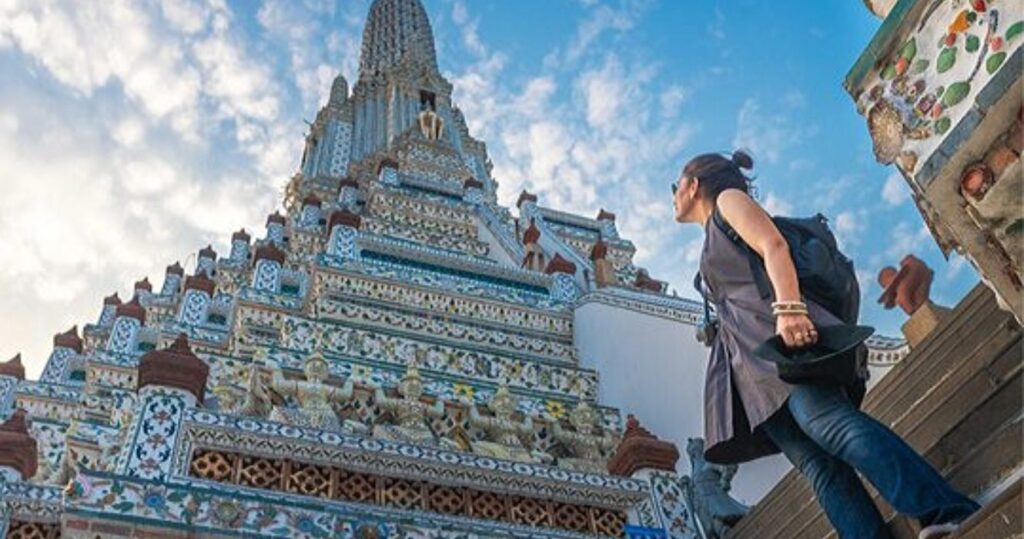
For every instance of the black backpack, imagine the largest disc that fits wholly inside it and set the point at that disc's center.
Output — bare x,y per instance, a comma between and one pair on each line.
825,274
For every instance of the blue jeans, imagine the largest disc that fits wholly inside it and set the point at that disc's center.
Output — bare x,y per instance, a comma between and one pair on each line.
827,438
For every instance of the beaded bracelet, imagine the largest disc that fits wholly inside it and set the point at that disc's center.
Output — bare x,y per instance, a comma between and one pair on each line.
788,307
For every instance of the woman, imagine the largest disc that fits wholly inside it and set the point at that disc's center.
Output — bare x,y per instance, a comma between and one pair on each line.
750,412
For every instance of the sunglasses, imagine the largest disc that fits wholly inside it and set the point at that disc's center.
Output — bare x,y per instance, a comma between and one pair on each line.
675,185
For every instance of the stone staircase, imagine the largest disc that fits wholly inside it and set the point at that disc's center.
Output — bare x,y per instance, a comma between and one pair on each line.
957,399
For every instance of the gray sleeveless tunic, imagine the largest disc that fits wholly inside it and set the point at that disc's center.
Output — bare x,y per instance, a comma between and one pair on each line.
741,391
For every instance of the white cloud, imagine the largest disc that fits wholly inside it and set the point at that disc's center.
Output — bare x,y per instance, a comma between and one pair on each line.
109,174
601,19
129,131
848,227
776,205
794,99
895,190
187,16
768,136
672,99
716,28
906,239
469,27
602,92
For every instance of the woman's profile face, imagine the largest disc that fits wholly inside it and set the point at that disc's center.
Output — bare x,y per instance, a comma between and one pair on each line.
685,198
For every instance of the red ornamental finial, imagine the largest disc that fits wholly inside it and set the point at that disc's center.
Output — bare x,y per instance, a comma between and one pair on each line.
132,309
241,235
532,233
599,251
276,218
311,200
208,252
18,449
560,265
639,449
526,196
13,368
269,251
200,281
343,217
69,339
175,366
175,269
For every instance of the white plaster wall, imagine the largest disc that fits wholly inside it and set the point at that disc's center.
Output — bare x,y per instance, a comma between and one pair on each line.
654,368
496,251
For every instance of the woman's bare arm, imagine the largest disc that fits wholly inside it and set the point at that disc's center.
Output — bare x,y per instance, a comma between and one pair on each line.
756,228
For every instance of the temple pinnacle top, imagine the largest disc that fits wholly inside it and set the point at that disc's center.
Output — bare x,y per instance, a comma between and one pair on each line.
397,32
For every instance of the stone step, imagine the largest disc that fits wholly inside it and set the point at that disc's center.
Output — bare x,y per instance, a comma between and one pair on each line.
955,398
1000,518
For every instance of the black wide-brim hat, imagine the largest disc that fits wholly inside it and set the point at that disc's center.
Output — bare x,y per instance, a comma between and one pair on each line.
830,359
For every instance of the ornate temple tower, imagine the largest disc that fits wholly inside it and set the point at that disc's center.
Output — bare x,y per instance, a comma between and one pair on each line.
396,356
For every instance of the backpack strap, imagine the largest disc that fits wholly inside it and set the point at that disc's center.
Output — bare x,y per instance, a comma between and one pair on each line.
764,287
698,283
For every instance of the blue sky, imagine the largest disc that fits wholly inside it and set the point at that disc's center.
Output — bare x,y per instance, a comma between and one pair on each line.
131,134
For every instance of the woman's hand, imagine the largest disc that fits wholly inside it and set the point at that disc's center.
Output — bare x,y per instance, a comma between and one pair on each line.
797,330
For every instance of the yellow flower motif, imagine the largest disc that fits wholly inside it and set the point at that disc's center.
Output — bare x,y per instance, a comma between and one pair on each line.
555,409
464,391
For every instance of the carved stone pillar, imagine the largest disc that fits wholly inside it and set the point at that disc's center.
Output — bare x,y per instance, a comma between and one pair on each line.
170,381
239,247
343,227
563,287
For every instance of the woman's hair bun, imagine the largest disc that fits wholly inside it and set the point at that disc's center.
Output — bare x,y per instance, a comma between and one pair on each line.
742,159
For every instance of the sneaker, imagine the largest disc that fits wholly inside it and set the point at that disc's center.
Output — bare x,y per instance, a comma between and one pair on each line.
938,530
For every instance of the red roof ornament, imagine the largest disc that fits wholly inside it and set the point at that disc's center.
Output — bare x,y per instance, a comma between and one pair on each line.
472,183
175,366
13,368
132,309
143,285
639,449
241,235
644,281
525,196
276,218
599,251
69,339
344,217
560,265
347,182
532,233
18,449
112,299
311,200
175,269
387,162
200,282
605,215
208,252
268,251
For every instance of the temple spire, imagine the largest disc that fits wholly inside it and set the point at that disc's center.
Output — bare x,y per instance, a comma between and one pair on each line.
397,33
